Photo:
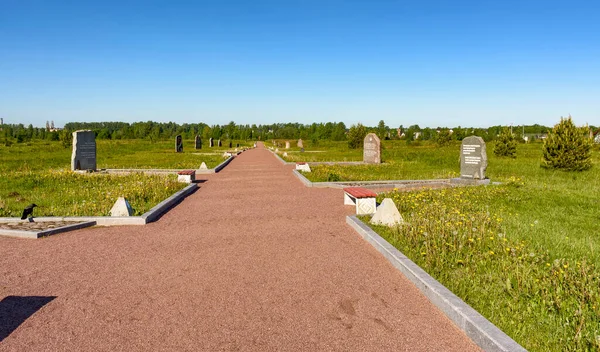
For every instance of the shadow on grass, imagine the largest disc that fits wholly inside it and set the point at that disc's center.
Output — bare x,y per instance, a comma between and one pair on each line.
14,310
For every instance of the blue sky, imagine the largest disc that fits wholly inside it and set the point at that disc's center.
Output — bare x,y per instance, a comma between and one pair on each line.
432,63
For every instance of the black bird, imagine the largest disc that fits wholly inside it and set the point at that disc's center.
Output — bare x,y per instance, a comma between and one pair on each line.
28,211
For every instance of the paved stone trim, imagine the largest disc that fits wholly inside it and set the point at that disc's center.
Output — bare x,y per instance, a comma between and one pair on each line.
48,232
155,213
223,164
485,334
372,184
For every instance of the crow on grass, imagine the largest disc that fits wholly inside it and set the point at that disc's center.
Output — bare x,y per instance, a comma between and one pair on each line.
28,211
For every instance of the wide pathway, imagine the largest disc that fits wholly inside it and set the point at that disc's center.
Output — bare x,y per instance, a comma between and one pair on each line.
252,261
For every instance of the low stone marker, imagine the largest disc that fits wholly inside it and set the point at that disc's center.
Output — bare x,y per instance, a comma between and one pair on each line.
284,154
187,176
303,167
178,144
198,142
301,150
237,145
230,144
387,214
300,144
211,143
203,166
473,158
121,208
219,143
372,149
84,150
287,144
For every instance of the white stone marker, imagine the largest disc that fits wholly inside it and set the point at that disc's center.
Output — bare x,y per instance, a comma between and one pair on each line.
387,214
121,208
303,167
203,166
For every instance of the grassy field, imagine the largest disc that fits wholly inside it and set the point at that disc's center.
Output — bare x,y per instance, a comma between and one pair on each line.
38,172
525,253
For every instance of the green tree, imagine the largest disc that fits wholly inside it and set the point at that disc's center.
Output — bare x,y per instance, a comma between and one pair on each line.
443,137
382,130
506,144
567,147
356,136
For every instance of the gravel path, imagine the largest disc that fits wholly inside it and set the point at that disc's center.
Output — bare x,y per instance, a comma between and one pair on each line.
252,261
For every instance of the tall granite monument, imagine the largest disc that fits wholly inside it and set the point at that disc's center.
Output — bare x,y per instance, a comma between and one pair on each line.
84,150
372,149
198,142
473,158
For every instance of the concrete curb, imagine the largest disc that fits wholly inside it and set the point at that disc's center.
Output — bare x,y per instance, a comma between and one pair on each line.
223,164
151,215
369,184
44,233
485,334
169,171
155,213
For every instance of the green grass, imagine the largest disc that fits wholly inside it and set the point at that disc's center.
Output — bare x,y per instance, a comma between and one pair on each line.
524,253
37,172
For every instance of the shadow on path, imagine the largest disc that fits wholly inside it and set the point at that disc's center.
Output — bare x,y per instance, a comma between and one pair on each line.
14,310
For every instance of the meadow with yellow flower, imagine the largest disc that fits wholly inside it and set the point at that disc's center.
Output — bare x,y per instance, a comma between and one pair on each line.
39,172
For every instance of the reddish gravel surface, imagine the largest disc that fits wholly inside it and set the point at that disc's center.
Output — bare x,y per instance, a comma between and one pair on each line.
252,261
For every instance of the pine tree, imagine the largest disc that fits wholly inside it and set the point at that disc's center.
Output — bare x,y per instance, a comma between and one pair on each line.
506,144
567,147
356,136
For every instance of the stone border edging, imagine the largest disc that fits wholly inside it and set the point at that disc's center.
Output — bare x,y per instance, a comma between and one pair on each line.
370,184
169,171
162,207
44,233
485,334
223,164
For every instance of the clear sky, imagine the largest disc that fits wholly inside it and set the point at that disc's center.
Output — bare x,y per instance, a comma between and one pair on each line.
432,63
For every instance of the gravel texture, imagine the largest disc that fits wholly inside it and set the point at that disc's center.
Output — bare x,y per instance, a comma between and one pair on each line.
252,261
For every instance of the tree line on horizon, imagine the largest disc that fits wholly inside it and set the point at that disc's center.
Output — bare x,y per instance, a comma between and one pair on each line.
334,131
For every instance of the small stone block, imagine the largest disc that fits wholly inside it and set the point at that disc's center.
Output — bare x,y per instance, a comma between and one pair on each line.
187,176
303,167
121,208
387,214
203,166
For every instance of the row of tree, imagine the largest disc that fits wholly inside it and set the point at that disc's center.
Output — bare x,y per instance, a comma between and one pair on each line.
336,131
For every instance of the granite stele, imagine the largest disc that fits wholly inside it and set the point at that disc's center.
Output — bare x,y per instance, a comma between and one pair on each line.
84,150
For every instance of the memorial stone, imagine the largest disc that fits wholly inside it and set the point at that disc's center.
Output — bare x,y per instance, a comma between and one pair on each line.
198,142
84,150
287,144
178,144
372,149
473,158
300,144
210,142
219,143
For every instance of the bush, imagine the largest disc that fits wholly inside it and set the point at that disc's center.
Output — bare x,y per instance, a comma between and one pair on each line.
356,136
443,138
567,147
506,144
